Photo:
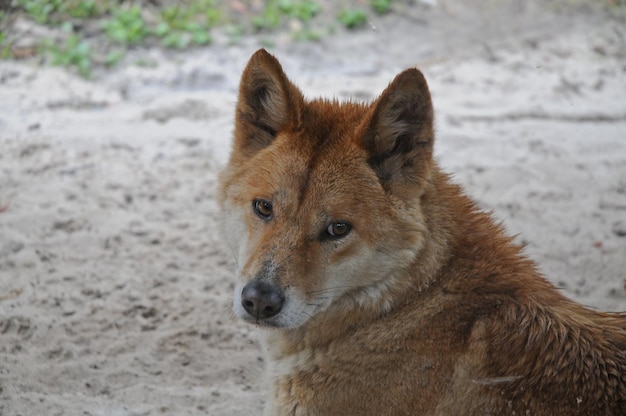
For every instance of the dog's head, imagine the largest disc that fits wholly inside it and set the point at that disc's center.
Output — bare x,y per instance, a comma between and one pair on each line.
322,199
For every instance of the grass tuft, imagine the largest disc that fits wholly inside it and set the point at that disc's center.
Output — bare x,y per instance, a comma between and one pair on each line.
353,18
102,31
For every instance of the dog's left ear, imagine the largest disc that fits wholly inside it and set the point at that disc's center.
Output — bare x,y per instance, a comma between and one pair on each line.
399,134
267,103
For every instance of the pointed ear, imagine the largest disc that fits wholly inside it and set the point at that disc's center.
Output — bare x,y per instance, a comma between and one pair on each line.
267,103
399,134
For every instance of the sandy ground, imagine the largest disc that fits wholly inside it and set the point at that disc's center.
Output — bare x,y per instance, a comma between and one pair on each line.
115,289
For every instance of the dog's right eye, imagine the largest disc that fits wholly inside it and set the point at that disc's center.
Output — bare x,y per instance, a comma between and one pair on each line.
338,229
262,208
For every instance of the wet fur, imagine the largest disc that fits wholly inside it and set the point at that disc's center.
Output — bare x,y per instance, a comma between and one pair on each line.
427,307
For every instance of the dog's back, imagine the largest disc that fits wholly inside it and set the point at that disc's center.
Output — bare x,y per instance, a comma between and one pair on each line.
528,350
389,292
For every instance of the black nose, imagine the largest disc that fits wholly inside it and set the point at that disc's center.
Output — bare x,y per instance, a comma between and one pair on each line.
262,300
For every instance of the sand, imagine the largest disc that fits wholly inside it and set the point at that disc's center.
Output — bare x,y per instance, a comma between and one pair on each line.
115,287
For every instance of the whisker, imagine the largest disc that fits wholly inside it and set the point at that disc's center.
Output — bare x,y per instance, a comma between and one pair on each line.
329,290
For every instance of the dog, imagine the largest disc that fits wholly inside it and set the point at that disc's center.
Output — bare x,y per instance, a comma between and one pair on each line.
380,286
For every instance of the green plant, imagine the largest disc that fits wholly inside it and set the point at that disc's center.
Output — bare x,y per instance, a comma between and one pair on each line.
73,53
114,57
174,24
127,26
234,33
84,9
55,11
276,10
269,18
39,10
176,40
181,27
213,16
5,48
381,6
303,10
353,18
308,35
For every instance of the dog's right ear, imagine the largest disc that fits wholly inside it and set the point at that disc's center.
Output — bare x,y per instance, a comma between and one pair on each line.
267,103
398,134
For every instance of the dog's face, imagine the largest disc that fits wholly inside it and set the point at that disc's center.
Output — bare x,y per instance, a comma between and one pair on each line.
321,199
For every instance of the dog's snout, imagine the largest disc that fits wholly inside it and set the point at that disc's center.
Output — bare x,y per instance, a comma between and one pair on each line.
262,300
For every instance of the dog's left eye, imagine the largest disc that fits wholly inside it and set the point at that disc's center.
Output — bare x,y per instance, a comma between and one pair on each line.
262,208
338,229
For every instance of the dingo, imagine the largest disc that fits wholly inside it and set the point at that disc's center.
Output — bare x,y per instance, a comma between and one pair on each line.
383,289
